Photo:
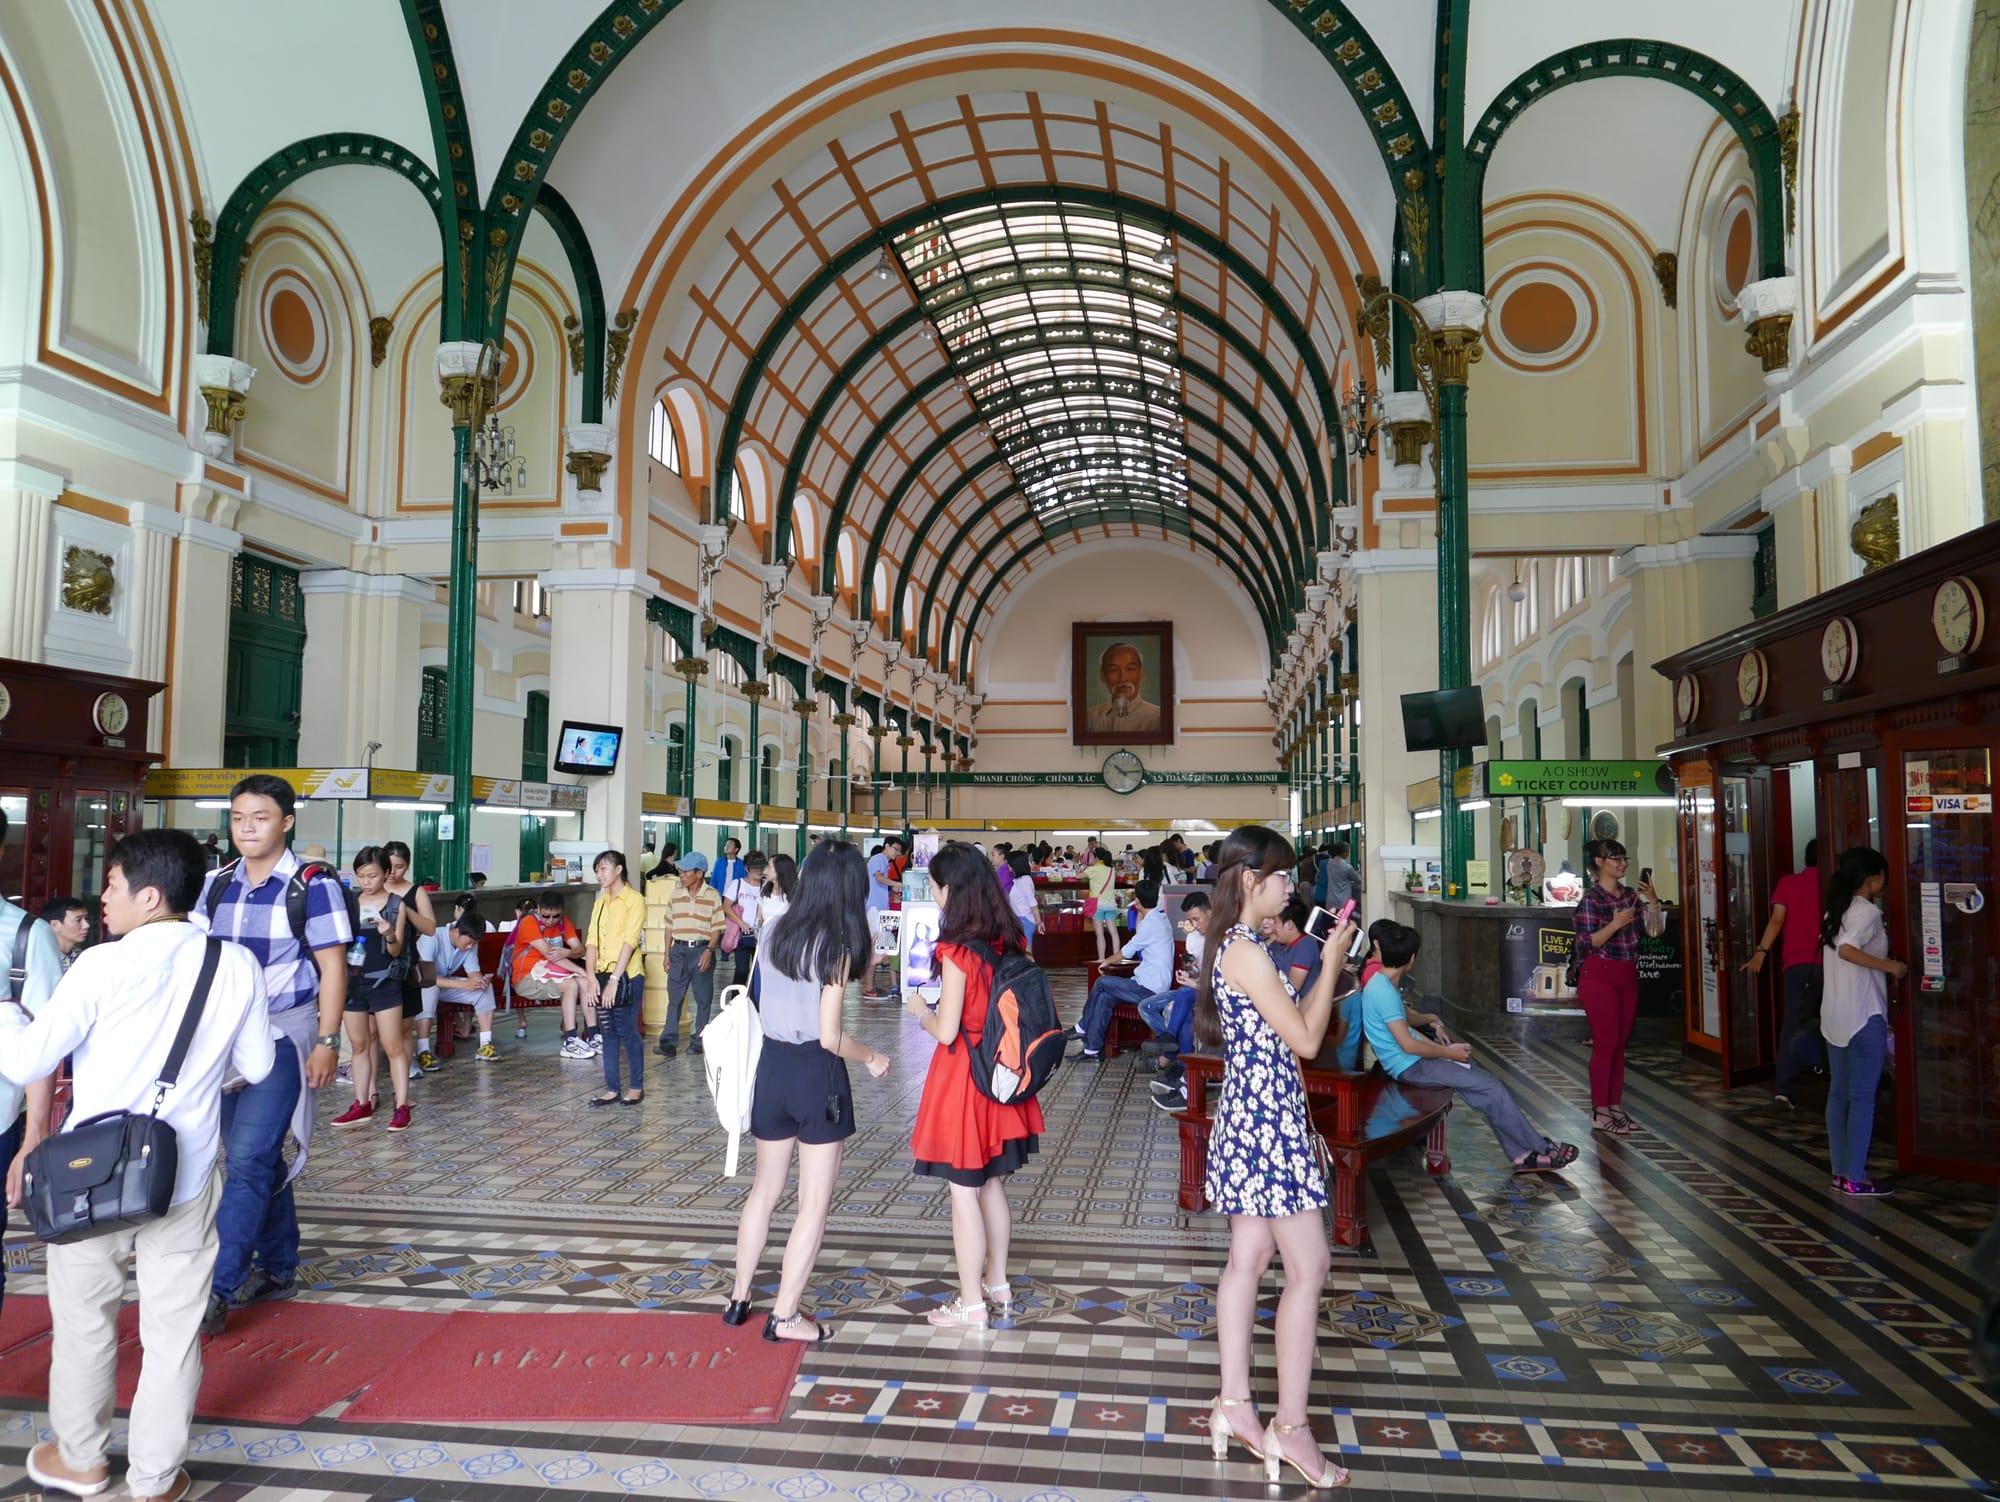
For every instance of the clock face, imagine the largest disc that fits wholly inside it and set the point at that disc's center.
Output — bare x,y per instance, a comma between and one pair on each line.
111,714
1687,699
1752,679
1123,772
1958,616
1839,650
6,701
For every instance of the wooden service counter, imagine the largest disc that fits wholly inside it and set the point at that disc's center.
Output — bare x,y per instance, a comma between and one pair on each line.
1502,970
1063,938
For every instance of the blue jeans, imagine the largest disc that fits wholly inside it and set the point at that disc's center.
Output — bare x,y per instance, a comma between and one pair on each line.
1106,994
1171,1015
10,1144
1855,1071
1799,1041
620,1027
256,1213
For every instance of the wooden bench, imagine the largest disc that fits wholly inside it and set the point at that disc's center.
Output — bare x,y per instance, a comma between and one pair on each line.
1362,1116
1127,1030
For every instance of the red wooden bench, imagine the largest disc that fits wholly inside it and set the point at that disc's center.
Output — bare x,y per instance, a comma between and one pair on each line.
1362,1116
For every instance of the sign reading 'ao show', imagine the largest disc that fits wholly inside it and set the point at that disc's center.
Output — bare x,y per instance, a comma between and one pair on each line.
1574,779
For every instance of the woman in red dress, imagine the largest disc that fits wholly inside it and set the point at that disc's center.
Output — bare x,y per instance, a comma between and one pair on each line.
961,1136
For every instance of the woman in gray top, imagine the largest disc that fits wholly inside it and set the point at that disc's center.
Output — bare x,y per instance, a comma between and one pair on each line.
802,1095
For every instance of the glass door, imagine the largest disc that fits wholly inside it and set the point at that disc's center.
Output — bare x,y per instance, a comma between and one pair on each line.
1950,1082
1701,861
1743,1035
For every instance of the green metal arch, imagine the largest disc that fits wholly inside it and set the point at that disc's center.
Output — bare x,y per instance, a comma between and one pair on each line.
451,139
1300,549
850,370
271,177
1632,57
1273,636
1293,595
846,259
569,232
837,516
1251,575
1352,53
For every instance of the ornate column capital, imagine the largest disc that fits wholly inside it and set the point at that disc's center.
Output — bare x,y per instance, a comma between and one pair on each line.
1407,417
844,721
756,689
225,386
589,446
878,731
1456,319
690,667
807,708
1767,308
467,377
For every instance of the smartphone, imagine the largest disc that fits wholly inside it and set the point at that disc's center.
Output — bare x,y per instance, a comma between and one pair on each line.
1347,911
1646,876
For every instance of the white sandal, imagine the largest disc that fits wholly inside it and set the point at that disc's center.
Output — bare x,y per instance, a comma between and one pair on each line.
959,1315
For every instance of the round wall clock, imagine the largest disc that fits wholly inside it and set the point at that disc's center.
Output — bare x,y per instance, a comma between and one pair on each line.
1753,678
110,714
1958,616
1839,650
6,701
1687,699
1123,772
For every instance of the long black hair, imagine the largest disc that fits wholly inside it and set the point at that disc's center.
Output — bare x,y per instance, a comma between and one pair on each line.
825,936
1853,868
784,878
975,912
1256,848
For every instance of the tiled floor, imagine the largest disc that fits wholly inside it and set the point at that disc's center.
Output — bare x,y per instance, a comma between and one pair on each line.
1687,1312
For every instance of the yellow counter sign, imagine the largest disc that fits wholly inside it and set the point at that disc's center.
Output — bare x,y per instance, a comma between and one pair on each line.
307,782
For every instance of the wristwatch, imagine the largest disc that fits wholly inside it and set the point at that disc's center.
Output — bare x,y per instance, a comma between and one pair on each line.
326,1040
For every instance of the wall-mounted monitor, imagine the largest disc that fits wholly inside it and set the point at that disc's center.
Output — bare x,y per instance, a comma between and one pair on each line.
1446,719
588,750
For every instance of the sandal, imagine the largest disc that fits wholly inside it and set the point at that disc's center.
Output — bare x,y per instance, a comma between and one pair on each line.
1556,1157
1603,1119
773,1323
1621,1124
959,1315
1275,1460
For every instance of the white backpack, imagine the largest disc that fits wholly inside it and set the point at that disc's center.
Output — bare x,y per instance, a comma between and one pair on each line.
731,1045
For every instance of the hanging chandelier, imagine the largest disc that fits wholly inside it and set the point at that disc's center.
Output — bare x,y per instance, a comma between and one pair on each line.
494,460
1361,419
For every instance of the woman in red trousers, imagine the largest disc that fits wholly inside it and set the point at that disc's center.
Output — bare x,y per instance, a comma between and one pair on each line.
1608,979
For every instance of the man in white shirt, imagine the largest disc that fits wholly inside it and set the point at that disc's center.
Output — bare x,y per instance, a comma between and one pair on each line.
1122,669
33,950
115,1015
1152,946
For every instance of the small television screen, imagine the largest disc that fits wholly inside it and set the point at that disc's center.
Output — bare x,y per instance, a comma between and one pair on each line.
588,750
1447,719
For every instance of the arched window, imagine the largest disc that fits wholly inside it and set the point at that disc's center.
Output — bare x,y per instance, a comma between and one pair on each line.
662,442
677,752
878,590
1527,618
844,563
767,776
725,768
1491,642
805,532
1571,584
739,502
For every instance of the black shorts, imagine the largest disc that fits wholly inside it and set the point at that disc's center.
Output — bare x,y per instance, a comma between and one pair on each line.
801,1092
386,997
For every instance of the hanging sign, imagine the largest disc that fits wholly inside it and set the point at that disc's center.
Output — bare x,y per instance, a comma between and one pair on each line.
1576,779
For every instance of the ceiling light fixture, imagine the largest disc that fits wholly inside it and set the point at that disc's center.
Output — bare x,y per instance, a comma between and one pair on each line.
883,271
1361,419
1517,591
1165,256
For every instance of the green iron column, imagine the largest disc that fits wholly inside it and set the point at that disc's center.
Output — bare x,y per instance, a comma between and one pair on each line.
903,744
1455,320
838,784
468,392
875,734
690,669
755,690
807,709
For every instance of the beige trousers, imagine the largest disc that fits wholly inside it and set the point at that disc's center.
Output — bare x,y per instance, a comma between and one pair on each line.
176,1256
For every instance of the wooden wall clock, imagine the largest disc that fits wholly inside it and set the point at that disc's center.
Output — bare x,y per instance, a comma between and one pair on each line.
1753,679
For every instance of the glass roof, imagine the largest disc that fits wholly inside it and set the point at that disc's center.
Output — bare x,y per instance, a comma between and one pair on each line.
1058,322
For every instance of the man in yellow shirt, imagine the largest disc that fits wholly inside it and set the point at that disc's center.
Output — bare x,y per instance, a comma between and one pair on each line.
695,918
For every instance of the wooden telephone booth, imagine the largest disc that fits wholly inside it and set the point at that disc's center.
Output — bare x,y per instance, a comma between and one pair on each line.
1873,710
73,761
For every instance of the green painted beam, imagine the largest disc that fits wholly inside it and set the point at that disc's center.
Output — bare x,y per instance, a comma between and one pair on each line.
575,242
1363,67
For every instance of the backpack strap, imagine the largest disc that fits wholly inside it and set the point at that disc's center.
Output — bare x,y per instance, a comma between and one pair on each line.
211,957
218,884
17,965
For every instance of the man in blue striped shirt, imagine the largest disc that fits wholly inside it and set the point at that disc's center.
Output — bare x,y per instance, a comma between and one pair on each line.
246,901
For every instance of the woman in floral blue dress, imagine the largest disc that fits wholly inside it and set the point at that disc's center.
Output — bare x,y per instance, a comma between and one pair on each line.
1262,1172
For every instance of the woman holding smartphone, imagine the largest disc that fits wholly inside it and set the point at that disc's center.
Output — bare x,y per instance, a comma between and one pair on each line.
1608,979
1854,1012
1263,1172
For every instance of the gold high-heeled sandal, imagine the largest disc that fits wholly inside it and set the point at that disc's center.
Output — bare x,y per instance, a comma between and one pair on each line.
1221,1431
1275,1458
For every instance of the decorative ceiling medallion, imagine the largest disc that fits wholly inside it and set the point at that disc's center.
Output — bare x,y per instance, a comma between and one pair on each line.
1545,317
293,324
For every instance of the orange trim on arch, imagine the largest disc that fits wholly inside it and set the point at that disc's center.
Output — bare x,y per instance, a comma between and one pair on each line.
1024,48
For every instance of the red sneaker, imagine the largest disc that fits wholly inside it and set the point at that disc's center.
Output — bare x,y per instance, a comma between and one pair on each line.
400,1120
358,1114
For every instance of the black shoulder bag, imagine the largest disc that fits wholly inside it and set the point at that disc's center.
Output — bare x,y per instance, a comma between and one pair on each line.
117,1170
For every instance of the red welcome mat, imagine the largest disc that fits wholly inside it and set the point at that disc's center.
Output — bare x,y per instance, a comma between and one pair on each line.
586,1368
24,1319
276,1364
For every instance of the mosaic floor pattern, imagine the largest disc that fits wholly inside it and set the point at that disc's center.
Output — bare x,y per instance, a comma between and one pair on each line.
1687,1312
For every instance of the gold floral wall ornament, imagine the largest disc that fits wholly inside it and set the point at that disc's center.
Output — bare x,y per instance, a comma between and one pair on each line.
1373,317
88,583
204,259
1667,271
1788,158
379,330
617,342
573,334
1877,534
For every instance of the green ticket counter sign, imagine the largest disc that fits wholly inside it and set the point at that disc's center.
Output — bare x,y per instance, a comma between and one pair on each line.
1608,780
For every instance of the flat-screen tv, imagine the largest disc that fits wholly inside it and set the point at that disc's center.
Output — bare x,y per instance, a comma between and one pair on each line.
588,750
1445,719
